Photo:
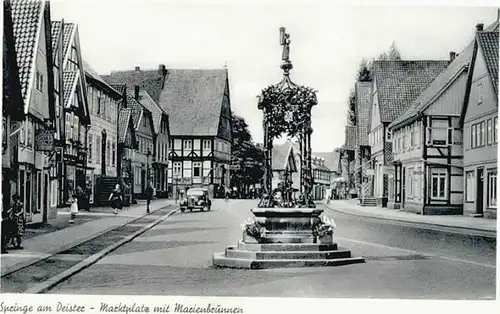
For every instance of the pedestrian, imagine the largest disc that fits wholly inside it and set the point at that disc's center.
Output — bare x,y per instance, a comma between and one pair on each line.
80,197
73,207
228,193
7,227
149,195
116,198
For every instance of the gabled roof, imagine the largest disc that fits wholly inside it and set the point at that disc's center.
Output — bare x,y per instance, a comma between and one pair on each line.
363,107
27,19
70,80
93,74
350,137
320,167
56,31
121,88
281,155
436,88
149,80
399,83
488,42
123,123
156,111
69,29
193,100
13,103
136,110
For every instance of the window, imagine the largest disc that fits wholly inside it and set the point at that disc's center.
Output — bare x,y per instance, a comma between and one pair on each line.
409,186
489,137
473,131
206,144
439,134
98,104
480,93
144,119
482,134
29,133
492,189
438,183
388,135
108,152
196,169
75,128
89,144
495,138
469,186
98,151
113,153
187,144
177,169
39,81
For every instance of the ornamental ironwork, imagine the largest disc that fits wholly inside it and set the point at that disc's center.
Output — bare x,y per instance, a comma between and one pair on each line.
287,108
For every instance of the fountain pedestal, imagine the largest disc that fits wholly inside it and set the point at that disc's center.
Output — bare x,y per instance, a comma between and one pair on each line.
287,239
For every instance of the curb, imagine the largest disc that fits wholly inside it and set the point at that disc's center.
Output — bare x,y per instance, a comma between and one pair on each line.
71,245
490,233
53,281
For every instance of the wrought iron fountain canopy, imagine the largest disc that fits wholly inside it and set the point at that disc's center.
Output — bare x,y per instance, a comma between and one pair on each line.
287,110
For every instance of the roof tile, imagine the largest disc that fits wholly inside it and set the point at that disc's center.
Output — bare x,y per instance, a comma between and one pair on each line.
123,122
26,17
488,41
350,137
156,111
69,83
399,83
363,107
193,99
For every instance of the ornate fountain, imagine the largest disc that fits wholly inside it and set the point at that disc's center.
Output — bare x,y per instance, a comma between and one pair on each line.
286,231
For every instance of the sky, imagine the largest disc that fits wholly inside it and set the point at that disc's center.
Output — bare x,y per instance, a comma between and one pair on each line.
328,41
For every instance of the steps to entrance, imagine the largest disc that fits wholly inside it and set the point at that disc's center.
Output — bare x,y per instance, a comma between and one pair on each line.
369,201
274,255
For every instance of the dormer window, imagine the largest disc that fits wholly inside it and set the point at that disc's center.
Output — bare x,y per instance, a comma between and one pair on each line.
39,81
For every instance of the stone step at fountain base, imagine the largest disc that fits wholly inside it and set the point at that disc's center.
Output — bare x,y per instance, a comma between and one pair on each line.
282,255
233,252
220,260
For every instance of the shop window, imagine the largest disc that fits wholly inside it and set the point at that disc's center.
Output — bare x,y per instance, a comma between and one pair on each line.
469,186
492,189
439,183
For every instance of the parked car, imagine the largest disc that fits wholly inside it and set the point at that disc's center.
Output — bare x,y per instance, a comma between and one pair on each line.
196,198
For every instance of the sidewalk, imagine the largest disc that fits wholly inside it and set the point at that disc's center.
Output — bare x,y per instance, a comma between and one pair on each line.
350,207
42,242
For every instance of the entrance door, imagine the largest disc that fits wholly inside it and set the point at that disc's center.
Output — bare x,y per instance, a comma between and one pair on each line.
479,192
45,197
143,180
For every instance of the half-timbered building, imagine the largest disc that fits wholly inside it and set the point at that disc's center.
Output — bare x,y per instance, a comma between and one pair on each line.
198,103
32,36
284,164
428,146
396,84
73,112
479,120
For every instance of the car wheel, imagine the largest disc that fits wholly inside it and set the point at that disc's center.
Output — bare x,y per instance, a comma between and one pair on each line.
191,210
209,208
205,208
183,210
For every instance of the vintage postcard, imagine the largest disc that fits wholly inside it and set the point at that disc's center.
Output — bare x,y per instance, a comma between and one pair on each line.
248,157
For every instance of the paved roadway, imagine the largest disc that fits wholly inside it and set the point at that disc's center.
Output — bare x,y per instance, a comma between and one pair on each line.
175,257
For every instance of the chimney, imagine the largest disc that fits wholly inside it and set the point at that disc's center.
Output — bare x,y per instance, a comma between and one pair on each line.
136,94
453,55
162,69
479,27
137,68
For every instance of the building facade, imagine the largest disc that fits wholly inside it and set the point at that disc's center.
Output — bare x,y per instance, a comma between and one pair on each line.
321,178
32,36
198,103
479,120
105,103
12,110
396,84
284,165
161,138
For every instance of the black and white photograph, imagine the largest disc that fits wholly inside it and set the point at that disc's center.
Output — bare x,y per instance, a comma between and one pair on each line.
289,150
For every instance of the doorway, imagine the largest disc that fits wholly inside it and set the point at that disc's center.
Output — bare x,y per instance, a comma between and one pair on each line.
403,187
143,181
479,192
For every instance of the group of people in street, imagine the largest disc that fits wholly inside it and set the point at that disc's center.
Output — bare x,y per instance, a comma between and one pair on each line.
13,224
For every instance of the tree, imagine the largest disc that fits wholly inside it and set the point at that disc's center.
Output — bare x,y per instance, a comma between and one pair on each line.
392,54
351,108
246,158
364,71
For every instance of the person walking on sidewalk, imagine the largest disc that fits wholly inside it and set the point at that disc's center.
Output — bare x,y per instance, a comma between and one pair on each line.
73,207
19,222
7,227
116,199
149,195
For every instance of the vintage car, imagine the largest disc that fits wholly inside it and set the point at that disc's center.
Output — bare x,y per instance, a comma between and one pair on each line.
196,198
